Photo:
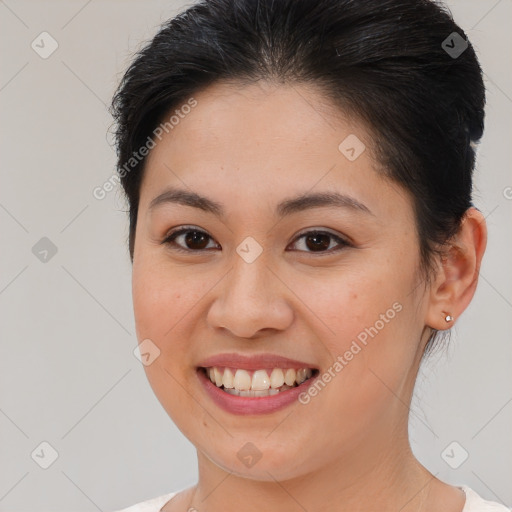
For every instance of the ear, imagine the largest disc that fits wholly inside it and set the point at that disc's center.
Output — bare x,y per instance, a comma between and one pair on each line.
458,271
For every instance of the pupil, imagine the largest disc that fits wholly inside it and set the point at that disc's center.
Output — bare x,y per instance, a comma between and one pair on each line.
323,243
194,237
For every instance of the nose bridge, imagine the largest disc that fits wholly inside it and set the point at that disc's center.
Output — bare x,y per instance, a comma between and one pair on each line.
249,281
250,299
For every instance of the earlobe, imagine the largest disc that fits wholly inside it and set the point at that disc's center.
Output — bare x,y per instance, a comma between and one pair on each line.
458,271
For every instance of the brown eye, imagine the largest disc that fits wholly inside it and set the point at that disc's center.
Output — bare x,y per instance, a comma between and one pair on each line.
196,240
189,239
320,241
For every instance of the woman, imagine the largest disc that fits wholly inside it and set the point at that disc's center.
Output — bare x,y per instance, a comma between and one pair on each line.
299,178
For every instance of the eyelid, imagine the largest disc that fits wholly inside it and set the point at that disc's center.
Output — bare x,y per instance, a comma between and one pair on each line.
175,232
343,241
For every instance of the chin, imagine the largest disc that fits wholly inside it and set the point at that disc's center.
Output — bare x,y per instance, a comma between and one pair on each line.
259,459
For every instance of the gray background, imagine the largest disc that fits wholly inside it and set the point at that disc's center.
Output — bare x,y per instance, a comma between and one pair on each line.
68,375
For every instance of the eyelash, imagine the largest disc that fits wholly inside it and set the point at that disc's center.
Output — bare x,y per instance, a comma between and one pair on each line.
170,240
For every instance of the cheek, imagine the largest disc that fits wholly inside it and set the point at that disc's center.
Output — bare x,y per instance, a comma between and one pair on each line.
160,299
348,306
161,303
366,323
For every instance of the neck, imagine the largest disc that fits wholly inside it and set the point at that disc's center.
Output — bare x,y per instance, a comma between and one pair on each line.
376,479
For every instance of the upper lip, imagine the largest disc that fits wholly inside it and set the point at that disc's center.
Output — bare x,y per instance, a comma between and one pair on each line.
253,362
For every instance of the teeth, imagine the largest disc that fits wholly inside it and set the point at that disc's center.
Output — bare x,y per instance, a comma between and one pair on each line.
301,375
241,383
227,378
289,377
276,378
242,380
253,393
260,380
218,377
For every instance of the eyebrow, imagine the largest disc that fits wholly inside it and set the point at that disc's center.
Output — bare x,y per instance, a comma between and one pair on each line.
287,207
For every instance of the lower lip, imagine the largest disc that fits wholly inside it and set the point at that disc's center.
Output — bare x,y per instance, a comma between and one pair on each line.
251,405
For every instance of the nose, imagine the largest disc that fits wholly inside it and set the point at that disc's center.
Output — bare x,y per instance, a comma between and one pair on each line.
250,301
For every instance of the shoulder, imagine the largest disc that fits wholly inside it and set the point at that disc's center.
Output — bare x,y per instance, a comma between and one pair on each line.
152,505
475,503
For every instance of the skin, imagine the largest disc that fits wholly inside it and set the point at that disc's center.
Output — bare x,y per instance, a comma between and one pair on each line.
248,148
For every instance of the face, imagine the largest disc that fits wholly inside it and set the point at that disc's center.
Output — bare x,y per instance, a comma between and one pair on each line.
260,276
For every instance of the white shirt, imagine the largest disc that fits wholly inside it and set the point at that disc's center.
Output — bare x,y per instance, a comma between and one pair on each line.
474,503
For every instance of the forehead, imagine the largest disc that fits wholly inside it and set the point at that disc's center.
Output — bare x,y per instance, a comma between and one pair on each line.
254,119
264,141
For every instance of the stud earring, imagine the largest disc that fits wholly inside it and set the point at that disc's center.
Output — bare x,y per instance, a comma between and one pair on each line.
448,318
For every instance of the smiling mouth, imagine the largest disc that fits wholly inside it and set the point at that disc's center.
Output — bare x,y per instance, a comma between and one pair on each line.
257,383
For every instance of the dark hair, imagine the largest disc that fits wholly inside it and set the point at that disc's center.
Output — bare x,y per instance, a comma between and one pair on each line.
394,64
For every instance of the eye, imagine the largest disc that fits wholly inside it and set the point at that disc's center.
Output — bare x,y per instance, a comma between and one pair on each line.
193,239
320,241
